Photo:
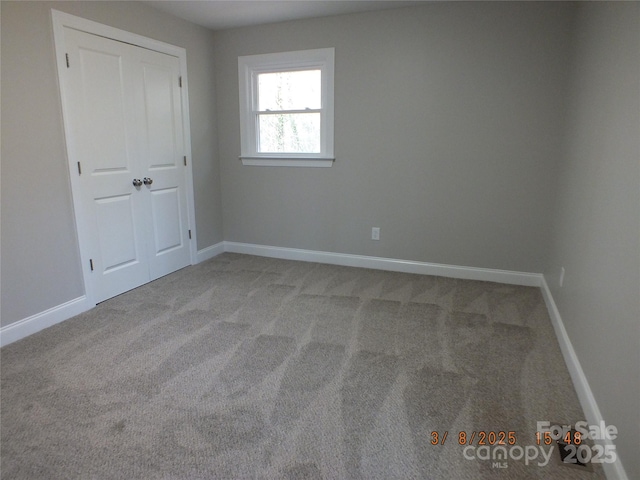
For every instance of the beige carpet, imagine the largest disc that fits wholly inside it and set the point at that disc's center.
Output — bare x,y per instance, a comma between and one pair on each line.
248,367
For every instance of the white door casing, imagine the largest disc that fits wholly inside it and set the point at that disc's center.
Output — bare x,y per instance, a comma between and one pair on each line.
126,118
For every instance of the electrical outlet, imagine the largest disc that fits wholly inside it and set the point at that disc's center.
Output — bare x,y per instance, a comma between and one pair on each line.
375,233
561,281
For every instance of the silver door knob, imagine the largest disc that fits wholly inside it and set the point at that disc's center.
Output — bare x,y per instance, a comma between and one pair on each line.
147,181
137,182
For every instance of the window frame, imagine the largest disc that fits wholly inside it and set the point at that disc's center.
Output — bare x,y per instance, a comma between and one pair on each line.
249,67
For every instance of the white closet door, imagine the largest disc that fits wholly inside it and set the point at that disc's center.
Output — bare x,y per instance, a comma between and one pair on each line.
162,161
126,128
103,139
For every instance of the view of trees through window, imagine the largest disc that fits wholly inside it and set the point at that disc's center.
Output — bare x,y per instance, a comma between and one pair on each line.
289,111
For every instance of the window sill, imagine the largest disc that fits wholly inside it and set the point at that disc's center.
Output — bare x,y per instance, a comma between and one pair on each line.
287,162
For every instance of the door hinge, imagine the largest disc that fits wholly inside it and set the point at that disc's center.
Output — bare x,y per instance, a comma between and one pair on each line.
91,263
185,160
67,57
79,169
180,81
189,234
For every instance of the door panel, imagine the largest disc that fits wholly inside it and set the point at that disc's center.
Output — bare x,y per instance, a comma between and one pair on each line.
166,220
116,232
103,91
160,112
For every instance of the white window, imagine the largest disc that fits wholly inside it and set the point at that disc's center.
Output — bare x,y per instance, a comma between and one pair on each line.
286,108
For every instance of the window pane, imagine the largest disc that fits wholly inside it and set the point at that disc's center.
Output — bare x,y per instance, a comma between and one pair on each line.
292,133
289,90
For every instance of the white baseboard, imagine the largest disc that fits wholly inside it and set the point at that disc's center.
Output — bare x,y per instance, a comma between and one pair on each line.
28,326
585,395
210,252
57,314
394,265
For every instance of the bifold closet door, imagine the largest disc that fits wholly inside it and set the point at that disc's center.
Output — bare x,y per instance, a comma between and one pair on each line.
126,133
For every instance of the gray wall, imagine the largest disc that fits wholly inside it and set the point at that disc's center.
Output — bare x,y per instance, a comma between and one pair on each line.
447,125
499,135
596,235
40,259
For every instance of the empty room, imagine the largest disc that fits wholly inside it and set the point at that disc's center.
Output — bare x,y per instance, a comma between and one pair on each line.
320,240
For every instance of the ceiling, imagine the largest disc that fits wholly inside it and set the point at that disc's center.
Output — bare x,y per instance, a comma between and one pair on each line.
222,14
